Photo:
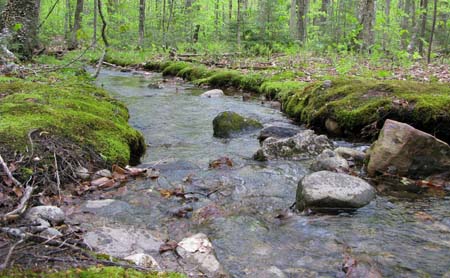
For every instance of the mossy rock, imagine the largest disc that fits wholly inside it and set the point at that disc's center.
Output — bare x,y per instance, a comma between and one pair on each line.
70,108
355,104
228,123
97,272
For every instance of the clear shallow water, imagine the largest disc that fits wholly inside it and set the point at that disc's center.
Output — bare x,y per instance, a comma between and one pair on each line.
240,216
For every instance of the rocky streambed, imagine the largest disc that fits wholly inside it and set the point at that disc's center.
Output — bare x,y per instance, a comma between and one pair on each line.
216,211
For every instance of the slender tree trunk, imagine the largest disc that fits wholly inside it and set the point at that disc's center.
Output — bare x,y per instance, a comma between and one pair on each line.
23,13
293,19
407,7
67,21
302,19
141,22
76,24
419,29
238,23
216,18
432,31
324,11
94,36
367,21
387,15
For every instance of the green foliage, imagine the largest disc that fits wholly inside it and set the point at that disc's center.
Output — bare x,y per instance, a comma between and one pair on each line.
92,272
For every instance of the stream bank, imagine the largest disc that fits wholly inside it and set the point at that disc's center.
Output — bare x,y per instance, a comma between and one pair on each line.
343,107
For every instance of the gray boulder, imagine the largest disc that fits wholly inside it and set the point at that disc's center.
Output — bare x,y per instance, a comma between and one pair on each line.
326,190
405,151
228,123
304,145
213,94
277,132
51,214
330,161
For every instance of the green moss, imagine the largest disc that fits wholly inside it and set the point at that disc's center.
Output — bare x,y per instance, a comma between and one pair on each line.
174,68
97,272
69,108
355,103
228,123
281,89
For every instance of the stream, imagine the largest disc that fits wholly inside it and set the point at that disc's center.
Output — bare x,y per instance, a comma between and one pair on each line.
246,215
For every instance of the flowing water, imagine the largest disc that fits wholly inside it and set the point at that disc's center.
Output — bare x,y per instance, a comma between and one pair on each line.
396,237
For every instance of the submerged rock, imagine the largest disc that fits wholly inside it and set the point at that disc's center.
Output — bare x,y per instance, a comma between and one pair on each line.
228,123
213,94
405,151
330,161
303,145
199,251
326,190
277,132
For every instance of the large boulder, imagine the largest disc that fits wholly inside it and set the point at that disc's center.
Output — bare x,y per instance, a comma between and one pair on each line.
228,123
405,151
327,190
304,145
213,94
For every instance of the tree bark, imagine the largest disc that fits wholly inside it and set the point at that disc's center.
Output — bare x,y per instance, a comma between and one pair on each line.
238,23
21,17
293,19
367,21
302,19
94,35
141,22
433,27
76,24
419,29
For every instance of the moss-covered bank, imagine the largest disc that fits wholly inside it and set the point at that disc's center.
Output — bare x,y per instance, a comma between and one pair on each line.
97,272
357,107
69,108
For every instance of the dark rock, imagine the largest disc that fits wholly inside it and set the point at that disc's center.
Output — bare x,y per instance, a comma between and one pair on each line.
277,132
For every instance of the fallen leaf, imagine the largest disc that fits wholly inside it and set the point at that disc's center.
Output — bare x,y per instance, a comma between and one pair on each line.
222,162
18,191
100,182
423,216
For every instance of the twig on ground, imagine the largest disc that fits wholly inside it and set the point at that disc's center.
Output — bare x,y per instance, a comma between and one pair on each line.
58,181
21,207
8,256
8,172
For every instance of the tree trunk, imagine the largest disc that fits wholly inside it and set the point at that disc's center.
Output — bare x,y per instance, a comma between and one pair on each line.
419,29
141,22
433,27
387,15
293,19
302,19
367,21
324,11
238,23
405,23
94,36
76,24
22,18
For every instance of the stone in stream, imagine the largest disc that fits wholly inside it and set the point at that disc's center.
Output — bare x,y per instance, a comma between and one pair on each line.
213,94
304,145
330,161
144,260
327,190
228,123
277,132
351,154
405,151
198,250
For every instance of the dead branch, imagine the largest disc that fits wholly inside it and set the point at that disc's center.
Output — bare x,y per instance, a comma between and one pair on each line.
8,256
21,207
8,173
99,65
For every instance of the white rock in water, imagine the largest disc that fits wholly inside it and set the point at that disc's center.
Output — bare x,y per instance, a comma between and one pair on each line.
213,93
143,260
198,249
327,190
